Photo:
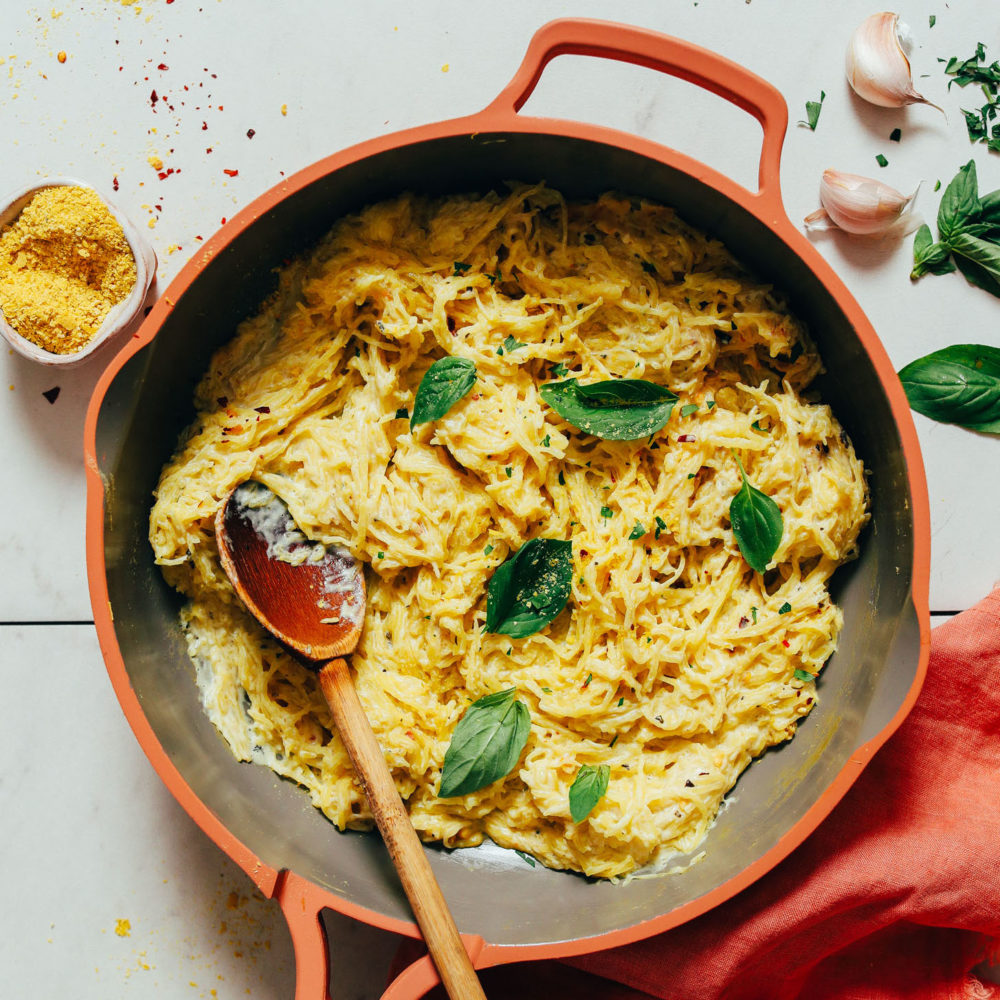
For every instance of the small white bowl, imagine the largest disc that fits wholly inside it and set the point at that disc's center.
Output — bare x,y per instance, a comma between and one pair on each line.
120,315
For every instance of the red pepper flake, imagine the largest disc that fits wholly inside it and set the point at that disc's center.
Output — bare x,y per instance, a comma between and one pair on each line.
204,126
114,182
208,149
223,222
163,66
51,394
263,409
152,100
686,438
231,430
250,133
785,643
744,621
231,173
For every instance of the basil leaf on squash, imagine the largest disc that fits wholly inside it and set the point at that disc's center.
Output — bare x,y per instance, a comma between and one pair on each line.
486,743
620,409
756,522
530,588
443,385
587,790
957,385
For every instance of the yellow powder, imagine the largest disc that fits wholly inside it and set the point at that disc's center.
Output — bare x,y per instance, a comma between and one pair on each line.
123,927
64,263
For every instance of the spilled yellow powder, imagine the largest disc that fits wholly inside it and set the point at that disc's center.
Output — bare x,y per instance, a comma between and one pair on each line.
64,263
122,927
155,162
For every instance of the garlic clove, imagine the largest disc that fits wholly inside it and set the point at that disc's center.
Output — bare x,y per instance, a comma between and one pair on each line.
862,206
876,65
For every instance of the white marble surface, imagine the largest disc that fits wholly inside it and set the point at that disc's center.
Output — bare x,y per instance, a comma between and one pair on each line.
91,837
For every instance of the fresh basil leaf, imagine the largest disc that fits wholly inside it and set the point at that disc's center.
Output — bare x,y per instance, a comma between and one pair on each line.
443,385
757,524
982,253
530,588
486,744
989,208
587,790
959,203
929,257
512,344
637,532
620,409
559,370
803,675
957,385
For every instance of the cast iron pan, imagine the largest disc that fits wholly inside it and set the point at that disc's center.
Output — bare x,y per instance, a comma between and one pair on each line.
265,824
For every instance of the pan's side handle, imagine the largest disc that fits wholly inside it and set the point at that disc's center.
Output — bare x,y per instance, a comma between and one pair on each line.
302,906
684,60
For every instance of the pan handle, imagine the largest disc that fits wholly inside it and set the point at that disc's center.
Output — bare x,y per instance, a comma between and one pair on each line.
302,906
641,47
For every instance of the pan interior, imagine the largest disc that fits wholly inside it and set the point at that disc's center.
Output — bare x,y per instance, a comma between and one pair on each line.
493,892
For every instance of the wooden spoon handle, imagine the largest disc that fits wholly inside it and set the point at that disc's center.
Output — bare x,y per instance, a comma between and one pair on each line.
407,853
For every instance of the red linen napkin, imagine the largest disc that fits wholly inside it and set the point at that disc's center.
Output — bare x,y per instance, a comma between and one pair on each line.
895,895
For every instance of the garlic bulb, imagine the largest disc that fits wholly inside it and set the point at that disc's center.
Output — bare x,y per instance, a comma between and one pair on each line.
877,67
862,206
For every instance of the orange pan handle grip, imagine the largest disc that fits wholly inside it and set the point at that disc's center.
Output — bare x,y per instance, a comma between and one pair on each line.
302,906
684,60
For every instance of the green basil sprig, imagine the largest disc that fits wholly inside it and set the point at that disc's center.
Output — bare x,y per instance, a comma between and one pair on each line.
486,743
587,790
756,522
530,588
968,234
957,385
443,385
621,409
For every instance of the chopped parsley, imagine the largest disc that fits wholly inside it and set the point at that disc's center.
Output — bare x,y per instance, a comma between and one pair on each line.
803,675
784,609
509,471
621,701
931,20
813,109
460,268
895,135
661,525
753,611
488,549
688,408
526,858
381,555
402,413
649,267
558,370
590,677
562,479
546,441
607,512
881,160
981,124
547,690
509,345
637,532
613,742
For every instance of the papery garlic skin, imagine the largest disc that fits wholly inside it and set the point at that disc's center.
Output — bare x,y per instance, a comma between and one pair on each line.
876,65
862,206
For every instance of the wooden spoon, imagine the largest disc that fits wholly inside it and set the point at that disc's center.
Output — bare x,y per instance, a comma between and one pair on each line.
312,598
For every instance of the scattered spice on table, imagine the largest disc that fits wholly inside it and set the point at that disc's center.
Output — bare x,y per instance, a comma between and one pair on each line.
64,263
